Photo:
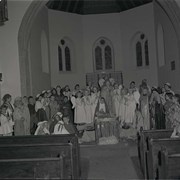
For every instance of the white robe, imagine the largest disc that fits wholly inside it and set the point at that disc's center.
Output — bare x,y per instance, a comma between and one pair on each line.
79,110
94,101
88,110
116,101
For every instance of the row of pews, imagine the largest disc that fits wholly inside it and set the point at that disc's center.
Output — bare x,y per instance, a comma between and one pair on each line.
159,154
40,157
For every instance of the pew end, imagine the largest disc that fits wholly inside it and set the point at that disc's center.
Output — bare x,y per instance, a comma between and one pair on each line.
168,164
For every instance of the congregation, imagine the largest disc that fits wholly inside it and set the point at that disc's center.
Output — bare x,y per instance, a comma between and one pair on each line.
62,111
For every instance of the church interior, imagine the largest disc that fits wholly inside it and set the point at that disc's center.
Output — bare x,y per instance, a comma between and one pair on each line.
89,89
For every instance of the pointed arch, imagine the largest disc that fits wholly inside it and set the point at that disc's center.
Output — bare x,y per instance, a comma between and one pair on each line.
103,55
65,54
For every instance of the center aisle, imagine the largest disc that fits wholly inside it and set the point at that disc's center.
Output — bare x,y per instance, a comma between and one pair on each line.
110,162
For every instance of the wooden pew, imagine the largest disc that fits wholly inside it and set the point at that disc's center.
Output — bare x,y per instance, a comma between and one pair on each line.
155,146
32,168
44,146
143,138
169,164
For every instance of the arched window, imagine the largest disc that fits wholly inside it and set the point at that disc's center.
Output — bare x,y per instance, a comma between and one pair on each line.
44,53
65,55
146,53
103,55
141,48
160,44
60,58
139,54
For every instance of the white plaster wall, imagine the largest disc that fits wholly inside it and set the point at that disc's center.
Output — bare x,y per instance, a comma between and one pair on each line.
119,28
62,24
102,25
9,58
40,80
171,48
140,19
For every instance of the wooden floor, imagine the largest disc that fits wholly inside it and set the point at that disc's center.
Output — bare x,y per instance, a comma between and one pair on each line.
110,162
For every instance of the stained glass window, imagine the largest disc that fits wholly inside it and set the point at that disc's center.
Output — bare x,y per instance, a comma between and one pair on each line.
65,55
108,58
103,55
146,53
67,59
139,54
98,58
60,58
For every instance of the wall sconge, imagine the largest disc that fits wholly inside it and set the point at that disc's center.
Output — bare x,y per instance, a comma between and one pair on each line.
3,12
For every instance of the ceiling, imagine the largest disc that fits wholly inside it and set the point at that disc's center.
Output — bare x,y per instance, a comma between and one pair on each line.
94,6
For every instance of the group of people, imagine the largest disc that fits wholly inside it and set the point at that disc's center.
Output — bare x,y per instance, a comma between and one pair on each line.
62,111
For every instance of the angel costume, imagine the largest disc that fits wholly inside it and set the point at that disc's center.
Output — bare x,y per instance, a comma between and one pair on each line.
116,103
130,109
79,112
94,101
6,127
122,109
60,128
88,110
144,103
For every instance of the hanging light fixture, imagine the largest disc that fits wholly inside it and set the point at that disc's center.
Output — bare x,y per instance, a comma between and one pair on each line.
3,12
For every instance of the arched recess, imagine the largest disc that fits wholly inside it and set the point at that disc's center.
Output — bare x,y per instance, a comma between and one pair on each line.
23,41
170,7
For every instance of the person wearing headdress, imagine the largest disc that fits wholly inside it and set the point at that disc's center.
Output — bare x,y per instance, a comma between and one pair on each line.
45,102
102,109
33,118
167,87
5,125
40,112
21,118
79,110
61,125
87,106
54,106
144,85
106,93
7,98
42,128
67,109
144,107
95,94
66,92
157,110
116,95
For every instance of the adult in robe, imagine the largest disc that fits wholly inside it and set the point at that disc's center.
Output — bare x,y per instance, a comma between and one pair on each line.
107,94
102,110
21,118
7,99
144,107
33,118
156,109
39,108
94,99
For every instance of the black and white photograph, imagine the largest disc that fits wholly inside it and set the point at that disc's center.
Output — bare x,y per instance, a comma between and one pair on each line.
89,89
